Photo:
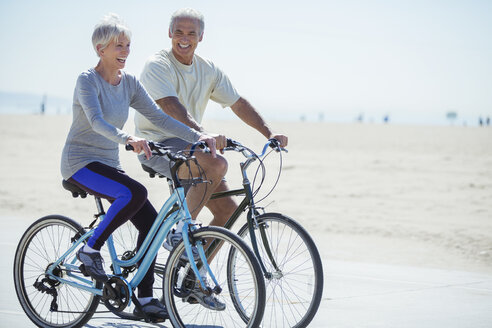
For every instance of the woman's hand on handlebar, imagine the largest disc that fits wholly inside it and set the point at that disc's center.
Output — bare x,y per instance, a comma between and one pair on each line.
220,141
211,143
139,145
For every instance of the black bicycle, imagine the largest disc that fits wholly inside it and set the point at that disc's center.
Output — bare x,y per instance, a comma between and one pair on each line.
287,254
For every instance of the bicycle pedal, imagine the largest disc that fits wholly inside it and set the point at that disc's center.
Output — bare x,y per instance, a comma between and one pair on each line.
147,318
190,300
157,320
83,270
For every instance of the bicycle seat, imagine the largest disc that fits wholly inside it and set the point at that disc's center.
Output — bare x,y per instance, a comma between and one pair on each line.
74,189
152,173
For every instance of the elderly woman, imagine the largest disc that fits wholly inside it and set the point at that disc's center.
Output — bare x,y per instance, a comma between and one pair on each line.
101,102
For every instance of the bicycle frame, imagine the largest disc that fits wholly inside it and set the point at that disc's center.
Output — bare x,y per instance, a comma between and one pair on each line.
167,217
248,201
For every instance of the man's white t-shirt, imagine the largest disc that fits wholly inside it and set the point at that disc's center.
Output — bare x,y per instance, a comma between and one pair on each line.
164,76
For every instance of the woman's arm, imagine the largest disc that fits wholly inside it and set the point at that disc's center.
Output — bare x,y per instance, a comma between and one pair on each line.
87,95
144,104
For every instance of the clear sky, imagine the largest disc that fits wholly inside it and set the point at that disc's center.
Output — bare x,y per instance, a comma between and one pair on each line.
402,58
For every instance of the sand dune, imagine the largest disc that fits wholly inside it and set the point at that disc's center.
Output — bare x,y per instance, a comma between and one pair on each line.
377,193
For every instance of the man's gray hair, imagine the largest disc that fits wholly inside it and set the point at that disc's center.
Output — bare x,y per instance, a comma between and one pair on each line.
108,30
187,13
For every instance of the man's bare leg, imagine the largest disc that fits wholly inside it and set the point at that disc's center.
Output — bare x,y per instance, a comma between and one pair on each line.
221,208
198,195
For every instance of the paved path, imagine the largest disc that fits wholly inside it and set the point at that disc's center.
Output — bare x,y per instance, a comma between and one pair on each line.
355,295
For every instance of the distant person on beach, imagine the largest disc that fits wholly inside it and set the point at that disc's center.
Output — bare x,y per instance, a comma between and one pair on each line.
43,105
90,159
182,83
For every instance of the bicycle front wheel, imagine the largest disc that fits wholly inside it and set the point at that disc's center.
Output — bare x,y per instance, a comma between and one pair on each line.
41,245
294,273
245,286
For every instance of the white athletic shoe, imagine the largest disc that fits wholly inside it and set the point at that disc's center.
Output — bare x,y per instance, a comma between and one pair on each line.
173,239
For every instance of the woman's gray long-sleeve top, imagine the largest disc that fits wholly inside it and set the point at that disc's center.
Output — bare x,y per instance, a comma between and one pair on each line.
99,112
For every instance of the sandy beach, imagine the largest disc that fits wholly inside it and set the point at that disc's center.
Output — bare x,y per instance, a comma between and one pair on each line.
389,194
401,215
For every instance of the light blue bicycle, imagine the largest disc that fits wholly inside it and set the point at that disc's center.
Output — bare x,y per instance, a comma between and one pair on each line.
54,292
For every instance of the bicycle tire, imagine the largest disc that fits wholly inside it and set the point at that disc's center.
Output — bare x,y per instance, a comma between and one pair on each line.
42,243
251,283
293,293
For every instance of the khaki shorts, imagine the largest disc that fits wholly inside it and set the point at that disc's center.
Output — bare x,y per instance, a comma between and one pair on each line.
162,164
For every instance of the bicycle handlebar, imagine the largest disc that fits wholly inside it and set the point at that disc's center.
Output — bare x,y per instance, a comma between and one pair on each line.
200,144
236,146
161,150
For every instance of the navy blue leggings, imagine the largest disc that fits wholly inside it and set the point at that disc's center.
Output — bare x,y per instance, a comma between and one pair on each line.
128,200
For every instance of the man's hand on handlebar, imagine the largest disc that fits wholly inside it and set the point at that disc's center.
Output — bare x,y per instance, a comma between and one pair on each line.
282,139
139,145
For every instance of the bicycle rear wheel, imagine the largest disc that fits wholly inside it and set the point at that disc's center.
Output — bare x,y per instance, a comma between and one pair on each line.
43,243
294,279
245,287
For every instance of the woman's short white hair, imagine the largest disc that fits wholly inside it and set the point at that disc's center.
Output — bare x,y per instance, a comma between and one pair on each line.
108,30
187,13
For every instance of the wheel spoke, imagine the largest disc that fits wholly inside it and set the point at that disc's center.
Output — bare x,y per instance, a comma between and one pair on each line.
41,246
294,292
237,273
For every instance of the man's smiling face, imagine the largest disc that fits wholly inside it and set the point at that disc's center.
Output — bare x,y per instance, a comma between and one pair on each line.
184,38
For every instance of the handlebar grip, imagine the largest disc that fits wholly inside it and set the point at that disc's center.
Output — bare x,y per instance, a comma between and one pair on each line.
274,143
199,144
231,143
151,144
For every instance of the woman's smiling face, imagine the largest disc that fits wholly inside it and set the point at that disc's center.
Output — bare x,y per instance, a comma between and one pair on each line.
116,52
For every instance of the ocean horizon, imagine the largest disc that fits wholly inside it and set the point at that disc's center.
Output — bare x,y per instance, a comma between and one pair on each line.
29,104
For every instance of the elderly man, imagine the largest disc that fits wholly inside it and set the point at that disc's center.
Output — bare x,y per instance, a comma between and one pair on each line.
182,83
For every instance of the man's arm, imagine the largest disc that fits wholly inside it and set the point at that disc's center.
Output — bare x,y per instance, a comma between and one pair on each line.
172,107
248,114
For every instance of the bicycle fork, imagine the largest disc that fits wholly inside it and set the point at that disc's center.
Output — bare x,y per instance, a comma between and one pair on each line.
188,248
253,225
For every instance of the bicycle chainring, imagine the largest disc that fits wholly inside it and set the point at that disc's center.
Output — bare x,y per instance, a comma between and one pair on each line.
116,294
